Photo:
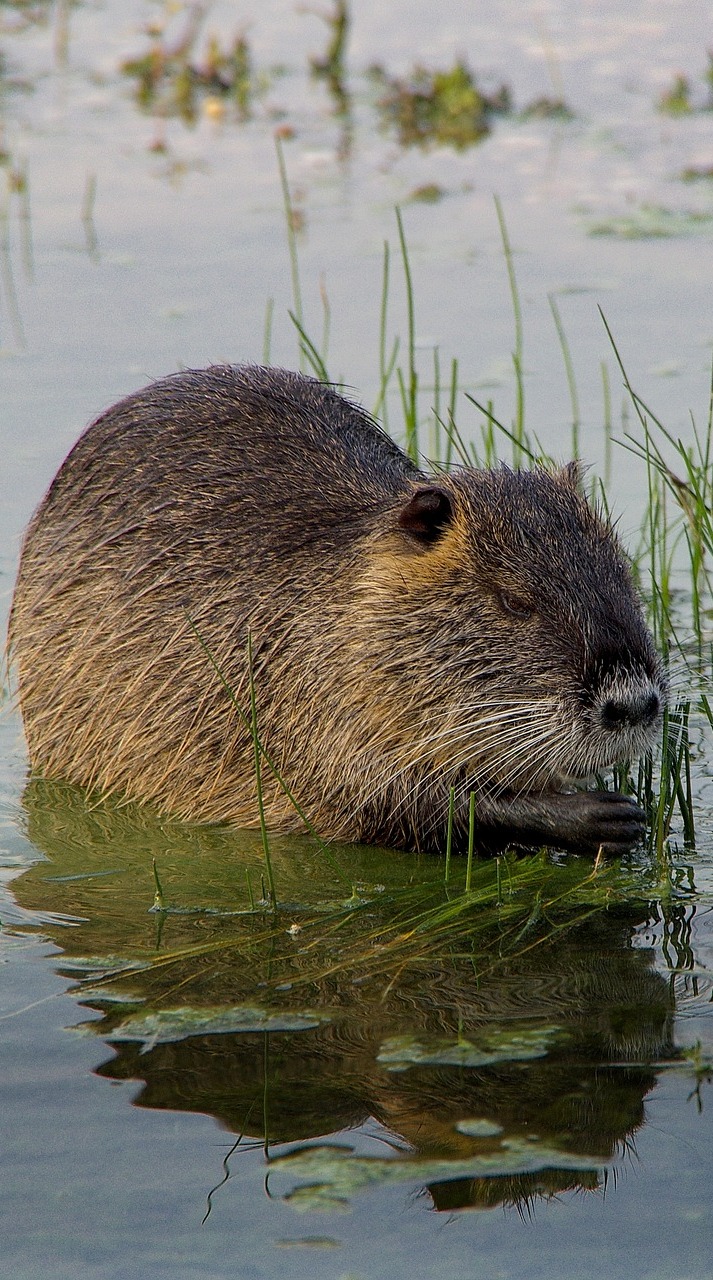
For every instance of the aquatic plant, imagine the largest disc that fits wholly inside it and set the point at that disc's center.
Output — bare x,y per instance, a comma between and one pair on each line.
332,62
439,107
679,99
173,79
676,100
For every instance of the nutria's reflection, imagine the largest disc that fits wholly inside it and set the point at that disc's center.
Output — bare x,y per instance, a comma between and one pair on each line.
602,1015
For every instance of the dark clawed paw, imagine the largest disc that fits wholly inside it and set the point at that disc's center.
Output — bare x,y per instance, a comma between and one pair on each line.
606,820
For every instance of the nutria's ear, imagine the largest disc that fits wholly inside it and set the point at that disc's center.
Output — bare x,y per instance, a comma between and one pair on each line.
571,475
427,514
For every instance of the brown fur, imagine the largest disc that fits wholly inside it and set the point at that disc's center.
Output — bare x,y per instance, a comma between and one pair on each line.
409,634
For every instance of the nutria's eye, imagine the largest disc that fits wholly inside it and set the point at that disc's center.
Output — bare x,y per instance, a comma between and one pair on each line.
514,605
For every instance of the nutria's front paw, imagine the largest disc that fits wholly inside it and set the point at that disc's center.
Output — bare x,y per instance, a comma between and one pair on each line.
606,820
583,821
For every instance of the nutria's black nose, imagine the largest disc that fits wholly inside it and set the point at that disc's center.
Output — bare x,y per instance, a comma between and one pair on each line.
639,709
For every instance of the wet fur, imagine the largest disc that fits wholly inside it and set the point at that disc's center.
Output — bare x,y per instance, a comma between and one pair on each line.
394,656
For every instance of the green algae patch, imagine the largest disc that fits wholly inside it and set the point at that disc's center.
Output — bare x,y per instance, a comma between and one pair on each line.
501,1044
166,1026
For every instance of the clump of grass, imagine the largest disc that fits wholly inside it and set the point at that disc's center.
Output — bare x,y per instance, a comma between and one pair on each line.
332,64
331,67
676,100
491,913
439,107
679,99
172,78
697,173
547,108
427,193
679,517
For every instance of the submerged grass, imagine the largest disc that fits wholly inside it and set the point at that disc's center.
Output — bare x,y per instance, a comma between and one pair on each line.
492,914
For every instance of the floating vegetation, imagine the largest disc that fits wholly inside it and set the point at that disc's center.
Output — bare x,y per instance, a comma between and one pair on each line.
168,1026
26,13
509,1043
697,173
332,64
400,927
676,100
426,108
439,108
429,193
448,108
100,996
679,98
547,108
327,1176
331,67
653,222
172,79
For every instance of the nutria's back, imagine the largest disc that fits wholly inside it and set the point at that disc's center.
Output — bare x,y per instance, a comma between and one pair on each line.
284,456
479,630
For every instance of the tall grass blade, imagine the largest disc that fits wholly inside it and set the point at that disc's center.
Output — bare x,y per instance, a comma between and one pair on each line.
517,356
257,754
290,222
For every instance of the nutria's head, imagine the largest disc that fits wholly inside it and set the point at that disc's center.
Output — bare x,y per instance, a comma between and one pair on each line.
517,637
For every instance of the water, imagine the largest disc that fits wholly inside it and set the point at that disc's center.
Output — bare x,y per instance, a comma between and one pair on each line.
110,1154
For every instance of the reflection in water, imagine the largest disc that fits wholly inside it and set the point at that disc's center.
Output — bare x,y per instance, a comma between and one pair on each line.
502,1064
331,67
18,193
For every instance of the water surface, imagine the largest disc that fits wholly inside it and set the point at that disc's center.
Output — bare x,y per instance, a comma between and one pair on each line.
529,1098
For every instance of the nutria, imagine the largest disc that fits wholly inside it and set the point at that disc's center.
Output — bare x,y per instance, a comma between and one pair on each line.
409,633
